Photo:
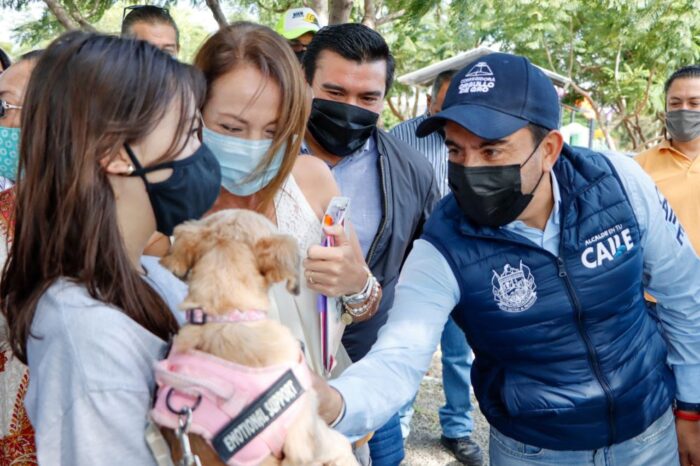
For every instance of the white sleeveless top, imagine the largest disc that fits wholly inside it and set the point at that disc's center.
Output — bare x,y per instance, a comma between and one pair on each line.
296,218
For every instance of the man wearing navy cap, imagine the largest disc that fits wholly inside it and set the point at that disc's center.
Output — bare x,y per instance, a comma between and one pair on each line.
541,254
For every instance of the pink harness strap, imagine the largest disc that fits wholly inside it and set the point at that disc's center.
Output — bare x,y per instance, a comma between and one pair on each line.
198,316
243,412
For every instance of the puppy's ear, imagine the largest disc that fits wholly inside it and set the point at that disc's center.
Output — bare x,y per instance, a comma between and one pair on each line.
278,259
185,250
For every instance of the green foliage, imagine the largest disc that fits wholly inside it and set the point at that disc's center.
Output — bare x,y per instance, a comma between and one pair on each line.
618,51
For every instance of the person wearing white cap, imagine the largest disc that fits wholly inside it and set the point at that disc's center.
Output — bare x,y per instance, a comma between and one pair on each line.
298,26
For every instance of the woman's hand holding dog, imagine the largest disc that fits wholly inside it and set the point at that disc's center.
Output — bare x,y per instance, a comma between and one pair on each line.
338,270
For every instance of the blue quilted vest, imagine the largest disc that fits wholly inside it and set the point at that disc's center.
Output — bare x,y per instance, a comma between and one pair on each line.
567,357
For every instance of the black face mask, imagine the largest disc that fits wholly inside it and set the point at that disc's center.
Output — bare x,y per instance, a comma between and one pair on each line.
340,128
187,194
490,196
300,56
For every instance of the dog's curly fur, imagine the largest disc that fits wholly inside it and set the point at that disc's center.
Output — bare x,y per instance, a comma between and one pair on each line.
229,260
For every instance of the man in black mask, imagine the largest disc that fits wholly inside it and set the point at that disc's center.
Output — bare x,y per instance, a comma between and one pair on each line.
391,186
541,254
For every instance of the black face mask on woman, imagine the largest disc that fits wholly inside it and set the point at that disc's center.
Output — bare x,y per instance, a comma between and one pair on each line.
492,195
340,128
187,194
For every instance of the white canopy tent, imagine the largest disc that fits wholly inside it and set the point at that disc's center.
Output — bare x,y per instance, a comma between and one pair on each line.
425,76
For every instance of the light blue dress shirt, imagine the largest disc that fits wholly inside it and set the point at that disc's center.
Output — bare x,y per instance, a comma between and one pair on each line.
377,386
358,178
549,238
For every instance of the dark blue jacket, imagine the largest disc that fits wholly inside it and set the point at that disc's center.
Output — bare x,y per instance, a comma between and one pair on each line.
567,356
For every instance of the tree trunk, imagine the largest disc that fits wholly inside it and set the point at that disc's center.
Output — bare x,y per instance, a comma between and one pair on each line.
394,110
339,11
321,9
69,20
218,13
598,114
414,111
61,15
369,18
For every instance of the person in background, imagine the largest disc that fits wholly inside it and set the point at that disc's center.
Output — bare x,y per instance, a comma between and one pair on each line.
541,254
5,61
16,432
391,187
101,172
674,165
456,416
152,24
298,26
13,84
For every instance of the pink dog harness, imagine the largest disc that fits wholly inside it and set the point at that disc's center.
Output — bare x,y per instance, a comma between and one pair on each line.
243,412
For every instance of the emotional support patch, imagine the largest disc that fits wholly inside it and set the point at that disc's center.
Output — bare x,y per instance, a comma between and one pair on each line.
257,416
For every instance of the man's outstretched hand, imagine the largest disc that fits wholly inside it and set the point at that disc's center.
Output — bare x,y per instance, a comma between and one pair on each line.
688,442
330,402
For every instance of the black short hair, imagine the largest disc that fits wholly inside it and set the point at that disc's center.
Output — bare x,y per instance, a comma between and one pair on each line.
150,14
691,71
440,81
351,41
5,61
538,133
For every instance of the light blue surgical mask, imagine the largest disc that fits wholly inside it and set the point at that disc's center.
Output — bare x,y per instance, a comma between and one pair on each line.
241,157
9,152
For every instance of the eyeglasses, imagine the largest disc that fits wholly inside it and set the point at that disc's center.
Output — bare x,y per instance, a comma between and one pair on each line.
130,8
4,107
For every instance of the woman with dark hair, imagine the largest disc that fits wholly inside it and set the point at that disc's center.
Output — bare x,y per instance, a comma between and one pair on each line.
114,156
254,121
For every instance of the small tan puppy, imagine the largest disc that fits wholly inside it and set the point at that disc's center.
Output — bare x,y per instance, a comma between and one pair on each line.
229,260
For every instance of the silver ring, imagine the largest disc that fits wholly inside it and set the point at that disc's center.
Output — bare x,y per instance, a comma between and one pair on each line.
311,278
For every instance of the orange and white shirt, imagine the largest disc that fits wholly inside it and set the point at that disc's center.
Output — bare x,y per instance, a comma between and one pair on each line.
678,178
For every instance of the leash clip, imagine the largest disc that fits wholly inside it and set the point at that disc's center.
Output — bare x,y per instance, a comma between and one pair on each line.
184,421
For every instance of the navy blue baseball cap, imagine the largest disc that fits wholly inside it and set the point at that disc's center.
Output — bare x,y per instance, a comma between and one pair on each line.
495,96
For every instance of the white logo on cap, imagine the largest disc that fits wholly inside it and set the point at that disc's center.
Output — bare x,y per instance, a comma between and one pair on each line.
479,79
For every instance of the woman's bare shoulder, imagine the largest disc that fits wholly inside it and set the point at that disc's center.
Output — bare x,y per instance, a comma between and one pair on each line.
315,181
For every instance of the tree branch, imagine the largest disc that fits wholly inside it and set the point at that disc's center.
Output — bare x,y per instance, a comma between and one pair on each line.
414,112
369,18
642,103
281,9
77,15
571,47
321,8
598,114
549,54
395,111
218,13
339,11
390,17
61,15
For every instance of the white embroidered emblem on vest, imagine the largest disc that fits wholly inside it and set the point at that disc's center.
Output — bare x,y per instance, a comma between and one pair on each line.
514,290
